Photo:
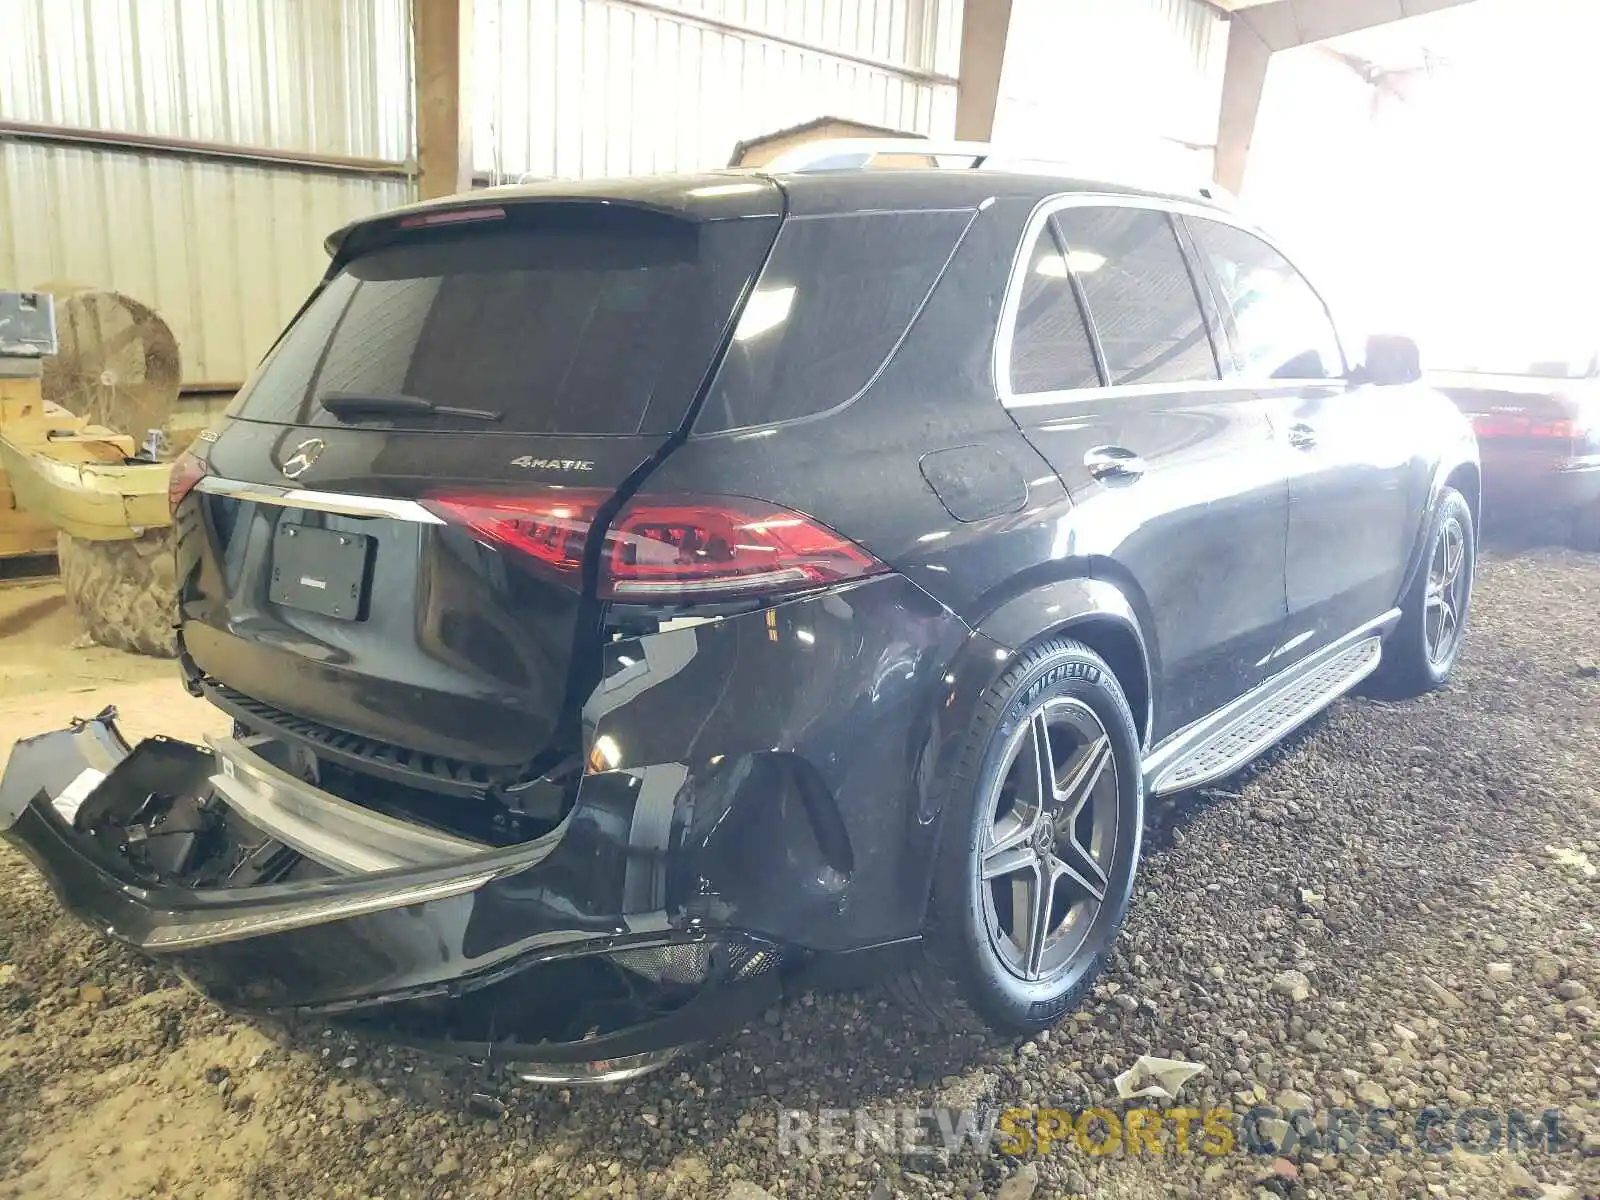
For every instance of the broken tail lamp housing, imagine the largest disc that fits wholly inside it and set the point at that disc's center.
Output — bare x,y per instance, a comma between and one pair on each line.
664,549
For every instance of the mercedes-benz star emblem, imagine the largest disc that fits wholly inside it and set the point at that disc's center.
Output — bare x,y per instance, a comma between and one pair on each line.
306,453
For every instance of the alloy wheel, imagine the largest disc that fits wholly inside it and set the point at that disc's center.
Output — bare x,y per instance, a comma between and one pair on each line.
1050,836
1449,586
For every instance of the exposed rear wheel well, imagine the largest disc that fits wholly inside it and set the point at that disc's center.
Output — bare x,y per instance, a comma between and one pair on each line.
1116,643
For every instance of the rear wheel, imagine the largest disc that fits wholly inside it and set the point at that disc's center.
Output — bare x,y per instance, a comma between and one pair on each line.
1422,650
1039,847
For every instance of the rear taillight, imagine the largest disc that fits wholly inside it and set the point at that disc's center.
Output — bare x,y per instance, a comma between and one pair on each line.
548,527
689,548
660,549
1492,425
188,469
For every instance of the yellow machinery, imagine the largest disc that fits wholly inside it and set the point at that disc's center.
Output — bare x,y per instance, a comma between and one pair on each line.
85,403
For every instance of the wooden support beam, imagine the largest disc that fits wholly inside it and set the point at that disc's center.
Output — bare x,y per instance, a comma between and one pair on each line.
1243,82
442,30
984,27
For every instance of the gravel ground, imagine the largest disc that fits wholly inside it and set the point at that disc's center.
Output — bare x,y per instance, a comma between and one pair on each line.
1400,908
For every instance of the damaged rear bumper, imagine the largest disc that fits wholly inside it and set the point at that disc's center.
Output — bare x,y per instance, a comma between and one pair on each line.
529,955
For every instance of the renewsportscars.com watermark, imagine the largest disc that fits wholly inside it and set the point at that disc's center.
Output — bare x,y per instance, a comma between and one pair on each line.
1140,1130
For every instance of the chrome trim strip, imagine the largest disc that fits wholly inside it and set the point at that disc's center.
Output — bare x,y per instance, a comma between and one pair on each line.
1165,759
326,829
342,503
1013,299
605,1070
191,935
1133,390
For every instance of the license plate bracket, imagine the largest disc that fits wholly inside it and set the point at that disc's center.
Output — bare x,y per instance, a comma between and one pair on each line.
321,570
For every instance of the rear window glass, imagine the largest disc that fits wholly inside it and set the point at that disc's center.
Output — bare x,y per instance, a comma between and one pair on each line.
569,318
835,299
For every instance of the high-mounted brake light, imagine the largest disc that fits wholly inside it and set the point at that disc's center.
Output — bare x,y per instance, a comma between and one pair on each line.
666,549
452,216
188,469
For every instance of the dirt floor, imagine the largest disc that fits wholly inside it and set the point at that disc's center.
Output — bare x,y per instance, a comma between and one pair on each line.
1399,910
50,673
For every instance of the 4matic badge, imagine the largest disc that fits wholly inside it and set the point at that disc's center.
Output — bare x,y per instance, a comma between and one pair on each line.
553,464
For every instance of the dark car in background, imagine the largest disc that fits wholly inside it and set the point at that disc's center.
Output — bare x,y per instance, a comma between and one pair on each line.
636,598
1538,428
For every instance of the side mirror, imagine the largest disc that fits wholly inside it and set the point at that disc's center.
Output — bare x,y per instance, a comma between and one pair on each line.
1391,359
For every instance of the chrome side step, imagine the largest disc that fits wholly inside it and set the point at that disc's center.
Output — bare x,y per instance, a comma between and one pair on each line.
1225,741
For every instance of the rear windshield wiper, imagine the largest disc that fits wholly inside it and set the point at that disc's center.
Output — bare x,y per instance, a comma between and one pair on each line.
352,406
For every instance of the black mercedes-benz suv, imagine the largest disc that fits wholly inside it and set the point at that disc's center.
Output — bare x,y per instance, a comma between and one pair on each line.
636,597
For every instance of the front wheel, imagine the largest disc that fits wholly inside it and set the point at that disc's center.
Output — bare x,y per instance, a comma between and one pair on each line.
1422,650
1039,846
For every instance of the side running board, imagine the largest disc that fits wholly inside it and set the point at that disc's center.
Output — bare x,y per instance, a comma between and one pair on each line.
1223,742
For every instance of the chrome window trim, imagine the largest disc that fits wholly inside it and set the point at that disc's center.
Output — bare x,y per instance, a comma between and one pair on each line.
332,502
1013,299
1134,390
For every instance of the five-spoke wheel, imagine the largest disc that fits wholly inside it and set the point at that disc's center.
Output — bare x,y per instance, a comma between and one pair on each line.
1052,829
1039,846
1449,585
1421,652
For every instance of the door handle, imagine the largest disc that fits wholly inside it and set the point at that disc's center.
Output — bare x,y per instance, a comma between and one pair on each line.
1115,464
1302,436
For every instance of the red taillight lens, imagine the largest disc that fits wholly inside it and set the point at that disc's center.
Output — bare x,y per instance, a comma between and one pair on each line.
667,549
188,469
1505,425
692,548
549,527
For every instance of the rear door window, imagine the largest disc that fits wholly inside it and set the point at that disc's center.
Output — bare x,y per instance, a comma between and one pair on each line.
837,296
1281,329
1142,301
575,318
1050,347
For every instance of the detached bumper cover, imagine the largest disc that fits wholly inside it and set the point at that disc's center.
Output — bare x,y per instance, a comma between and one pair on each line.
768,780
362,943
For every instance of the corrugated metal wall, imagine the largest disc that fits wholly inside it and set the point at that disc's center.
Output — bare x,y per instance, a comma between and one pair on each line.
1084,73
225,252
607,87
564,87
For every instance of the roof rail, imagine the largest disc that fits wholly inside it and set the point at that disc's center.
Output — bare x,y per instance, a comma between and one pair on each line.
844,154
847,154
